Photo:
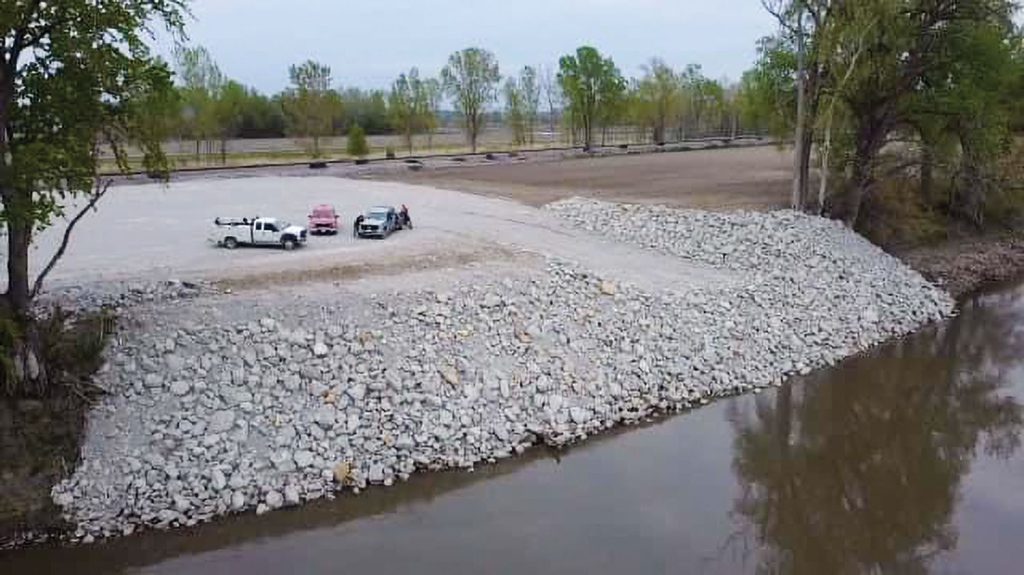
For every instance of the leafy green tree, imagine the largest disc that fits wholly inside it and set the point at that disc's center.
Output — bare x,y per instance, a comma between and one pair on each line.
923,63
311,105
262,117
530,90
355,144
768,91
229,112
658,99
201,80
593,87
471,79
74,76
408,106
368,108
432,94
515,111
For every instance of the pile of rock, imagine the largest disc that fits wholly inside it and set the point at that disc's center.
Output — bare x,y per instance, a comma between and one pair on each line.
119,295
225,404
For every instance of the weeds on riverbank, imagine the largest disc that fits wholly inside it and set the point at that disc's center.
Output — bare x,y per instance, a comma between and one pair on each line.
43,404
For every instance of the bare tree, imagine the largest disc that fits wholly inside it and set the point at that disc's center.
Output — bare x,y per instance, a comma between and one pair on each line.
552,94
529,89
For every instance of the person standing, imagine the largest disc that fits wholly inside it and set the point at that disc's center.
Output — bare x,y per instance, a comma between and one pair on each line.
355,226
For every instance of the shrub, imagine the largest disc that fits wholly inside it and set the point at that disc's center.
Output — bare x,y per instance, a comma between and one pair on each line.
356,145
68,350
897,216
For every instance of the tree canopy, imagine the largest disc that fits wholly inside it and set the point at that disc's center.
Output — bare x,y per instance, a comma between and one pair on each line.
471,79
76,78
311,104
593,86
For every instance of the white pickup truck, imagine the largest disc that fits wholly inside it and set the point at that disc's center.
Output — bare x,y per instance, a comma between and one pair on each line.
233,232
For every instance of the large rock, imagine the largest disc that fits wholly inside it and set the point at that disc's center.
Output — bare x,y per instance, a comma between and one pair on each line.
221,421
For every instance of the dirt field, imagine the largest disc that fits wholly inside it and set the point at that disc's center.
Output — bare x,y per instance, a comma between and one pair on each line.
753,178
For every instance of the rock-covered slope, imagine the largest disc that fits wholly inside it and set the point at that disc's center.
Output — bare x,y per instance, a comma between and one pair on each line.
228,403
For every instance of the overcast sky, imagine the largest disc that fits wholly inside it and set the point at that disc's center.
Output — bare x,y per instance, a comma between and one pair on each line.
368,43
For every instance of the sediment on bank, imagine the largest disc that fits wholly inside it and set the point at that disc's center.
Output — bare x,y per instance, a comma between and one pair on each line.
965,265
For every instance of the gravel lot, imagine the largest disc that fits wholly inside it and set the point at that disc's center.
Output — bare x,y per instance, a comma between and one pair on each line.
160,232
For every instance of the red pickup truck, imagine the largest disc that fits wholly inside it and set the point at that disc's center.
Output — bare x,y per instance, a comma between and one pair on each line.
323,220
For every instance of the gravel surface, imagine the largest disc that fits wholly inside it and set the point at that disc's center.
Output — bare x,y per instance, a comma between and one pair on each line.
225,403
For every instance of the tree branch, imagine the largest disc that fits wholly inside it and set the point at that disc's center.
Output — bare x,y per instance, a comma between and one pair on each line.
101,190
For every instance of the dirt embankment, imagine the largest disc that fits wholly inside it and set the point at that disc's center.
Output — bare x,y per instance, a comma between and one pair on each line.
963,266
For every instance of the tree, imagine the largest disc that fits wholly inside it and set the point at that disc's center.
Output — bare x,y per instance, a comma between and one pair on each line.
355,144
515,111
552,97
74,75
368,108
262,117
408,106
310,104
593,86
529,90
201,81
433,92
228,111
936,66
805,24
658,99
471,79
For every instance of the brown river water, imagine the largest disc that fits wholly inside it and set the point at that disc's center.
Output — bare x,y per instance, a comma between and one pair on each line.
904,460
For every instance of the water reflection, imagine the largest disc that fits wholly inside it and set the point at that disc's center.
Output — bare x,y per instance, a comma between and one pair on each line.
862,475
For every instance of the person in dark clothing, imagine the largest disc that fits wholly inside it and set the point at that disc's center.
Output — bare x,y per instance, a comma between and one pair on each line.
403,217
356,224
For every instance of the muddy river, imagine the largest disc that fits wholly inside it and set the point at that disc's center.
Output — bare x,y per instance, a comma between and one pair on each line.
905,460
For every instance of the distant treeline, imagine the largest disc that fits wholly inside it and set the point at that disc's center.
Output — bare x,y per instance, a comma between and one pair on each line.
583,99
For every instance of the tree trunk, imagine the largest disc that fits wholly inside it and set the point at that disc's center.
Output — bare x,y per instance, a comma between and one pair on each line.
927,172
861,184
806,150
799,165
826,152
472,127
19,239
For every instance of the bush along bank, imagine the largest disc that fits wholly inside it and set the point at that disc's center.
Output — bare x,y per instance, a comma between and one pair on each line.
240,403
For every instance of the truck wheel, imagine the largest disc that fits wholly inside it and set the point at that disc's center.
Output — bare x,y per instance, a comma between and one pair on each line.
230,243
288,244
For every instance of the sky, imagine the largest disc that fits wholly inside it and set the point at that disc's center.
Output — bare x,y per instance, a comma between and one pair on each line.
367,43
